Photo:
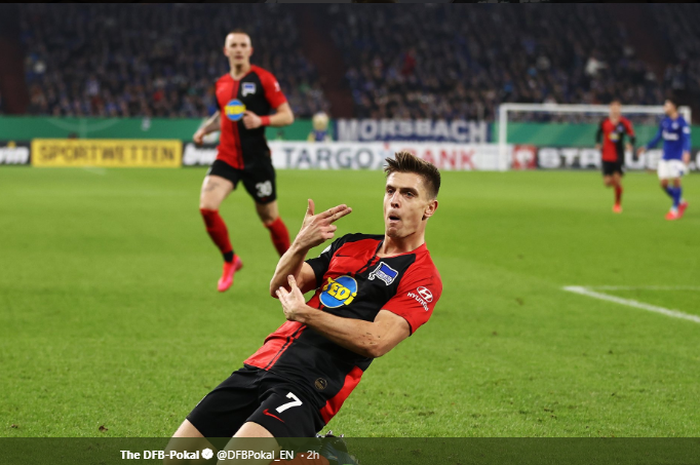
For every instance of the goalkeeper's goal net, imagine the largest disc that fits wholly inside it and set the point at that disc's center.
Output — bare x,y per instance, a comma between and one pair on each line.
567,133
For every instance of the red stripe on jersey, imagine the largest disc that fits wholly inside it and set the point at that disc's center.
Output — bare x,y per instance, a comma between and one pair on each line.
273,93
236,134
275,345
333,405
229,148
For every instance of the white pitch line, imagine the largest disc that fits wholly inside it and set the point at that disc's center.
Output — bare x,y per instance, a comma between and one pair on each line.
645,288
95,170
632,303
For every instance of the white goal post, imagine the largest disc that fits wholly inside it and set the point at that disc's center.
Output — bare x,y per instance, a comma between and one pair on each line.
556,108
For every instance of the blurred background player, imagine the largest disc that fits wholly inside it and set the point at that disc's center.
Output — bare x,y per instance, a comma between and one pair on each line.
612,132
320,132
245,97
676,155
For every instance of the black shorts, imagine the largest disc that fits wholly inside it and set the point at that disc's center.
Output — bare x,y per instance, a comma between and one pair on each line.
258,178
610,167
252,394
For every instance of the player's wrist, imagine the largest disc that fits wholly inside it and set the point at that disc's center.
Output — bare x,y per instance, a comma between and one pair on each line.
264,121
303,314
300,248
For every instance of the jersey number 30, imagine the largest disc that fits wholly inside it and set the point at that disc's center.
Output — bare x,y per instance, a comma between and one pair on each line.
264,189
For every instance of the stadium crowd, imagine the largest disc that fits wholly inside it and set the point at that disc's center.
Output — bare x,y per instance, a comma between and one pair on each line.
154,59
462,65
456,62
684,40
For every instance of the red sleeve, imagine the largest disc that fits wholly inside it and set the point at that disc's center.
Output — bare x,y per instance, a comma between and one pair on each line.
415,299
273,93
628,127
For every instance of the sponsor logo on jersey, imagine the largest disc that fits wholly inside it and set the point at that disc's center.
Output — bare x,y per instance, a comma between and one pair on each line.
234,110
248,88
339,291
267,412
321,384
384,272
670,135
422,295
425,293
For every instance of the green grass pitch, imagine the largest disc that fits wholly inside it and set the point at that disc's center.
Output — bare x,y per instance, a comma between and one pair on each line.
111,325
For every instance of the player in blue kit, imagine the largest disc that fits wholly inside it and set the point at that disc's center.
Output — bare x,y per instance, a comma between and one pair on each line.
675,131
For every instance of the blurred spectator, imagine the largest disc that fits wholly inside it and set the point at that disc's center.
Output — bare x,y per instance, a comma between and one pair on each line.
320,132
462,61
154,59
426,61
679,25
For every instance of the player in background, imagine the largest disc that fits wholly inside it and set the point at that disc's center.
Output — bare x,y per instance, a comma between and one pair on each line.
320,131
246,97
675,131
372,291
610,140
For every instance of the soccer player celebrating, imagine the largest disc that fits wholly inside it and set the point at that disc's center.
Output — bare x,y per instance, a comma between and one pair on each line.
676,155
371,293
612,131
245,96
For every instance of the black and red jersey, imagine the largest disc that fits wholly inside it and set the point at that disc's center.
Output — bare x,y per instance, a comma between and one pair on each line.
613,135
352,282
258,91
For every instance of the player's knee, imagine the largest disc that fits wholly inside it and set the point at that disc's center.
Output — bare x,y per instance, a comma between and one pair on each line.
208,214
207,203
267,214
268,219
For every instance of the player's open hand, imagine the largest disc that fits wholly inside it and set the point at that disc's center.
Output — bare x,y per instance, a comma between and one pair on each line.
292,301
251,120
686,158
316,229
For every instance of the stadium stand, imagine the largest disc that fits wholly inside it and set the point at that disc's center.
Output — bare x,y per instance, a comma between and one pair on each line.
456,62
560,53
153,60
679,25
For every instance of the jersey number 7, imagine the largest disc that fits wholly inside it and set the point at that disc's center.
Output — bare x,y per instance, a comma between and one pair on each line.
294,403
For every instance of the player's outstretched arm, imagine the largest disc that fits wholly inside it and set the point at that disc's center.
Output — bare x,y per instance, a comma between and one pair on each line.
652,143
367,338
212,124
315,230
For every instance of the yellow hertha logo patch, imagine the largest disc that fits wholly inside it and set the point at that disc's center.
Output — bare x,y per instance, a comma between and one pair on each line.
234,110
340,291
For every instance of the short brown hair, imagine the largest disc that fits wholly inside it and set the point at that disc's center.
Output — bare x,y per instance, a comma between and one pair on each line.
238,30
406,162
